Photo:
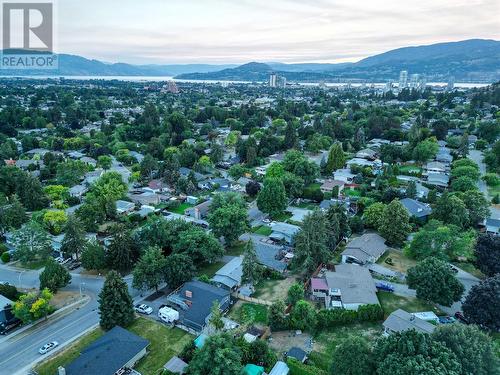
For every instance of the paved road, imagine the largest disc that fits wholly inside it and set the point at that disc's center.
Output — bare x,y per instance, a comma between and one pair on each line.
19,352
477,156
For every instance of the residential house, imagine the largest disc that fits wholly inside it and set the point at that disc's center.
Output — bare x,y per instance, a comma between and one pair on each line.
366,153
492,226
280,368
270,256
25,164
348,287
78,191
185,172
195,300
89,161
400,321
365,249
229,276
158,186
124,207
113,352
417,209
435,167
283,232
344,175
329,186
93,176
199,211
176,365
144,196
438,179
297,353
7,318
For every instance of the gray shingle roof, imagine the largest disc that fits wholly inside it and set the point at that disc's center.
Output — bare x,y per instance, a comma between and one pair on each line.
416,208
230,274
266,254
401,320
355,283
365,247
107,354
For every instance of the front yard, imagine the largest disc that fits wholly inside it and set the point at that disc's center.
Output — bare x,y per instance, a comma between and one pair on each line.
164,344
391,302
400,262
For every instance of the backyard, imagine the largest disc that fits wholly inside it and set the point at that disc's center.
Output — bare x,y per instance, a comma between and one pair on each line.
180,208
262,230
249,313
164,344
273,290
209,269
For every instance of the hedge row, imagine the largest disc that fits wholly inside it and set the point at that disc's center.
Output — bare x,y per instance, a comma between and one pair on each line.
336,317
298,368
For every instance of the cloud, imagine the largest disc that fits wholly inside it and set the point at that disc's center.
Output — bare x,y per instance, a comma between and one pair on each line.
230,31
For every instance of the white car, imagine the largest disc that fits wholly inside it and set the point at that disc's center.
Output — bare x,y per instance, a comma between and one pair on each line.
48,347
143,309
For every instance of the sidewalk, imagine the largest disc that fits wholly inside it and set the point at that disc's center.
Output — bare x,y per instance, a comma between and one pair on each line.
51,317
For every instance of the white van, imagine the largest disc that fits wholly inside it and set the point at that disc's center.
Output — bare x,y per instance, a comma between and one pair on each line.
168,315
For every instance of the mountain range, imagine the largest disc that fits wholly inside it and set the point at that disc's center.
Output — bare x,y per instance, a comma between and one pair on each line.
474,60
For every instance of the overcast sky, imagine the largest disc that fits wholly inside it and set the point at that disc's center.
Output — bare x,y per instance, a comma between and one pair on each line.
239,31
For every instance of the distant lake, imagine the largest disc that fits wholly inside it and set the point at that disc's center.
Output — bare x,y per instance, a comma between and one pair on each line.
167,78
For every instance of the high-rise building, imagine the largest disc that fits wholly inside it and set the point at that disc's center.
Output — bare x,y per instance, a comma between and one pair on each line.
403,79
414,80
273,80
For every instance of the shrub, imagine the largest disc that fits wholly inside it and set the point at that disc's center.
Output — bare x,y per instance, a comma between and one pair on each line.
297,368
9,291
5,257
491,179
3,248
336,317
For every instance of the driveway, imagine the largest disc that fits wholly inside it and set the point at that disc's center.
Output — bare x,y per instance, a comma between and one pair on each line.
477,156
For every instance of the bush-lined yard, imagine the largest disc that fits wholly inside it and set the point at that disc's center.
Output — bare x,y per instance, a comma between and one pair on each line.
391,302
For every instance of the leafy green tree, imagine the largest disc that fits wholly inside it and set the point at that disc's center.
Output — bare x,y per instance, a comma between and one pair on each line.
54,276
54,221
93,256
199,245
337,218
179,269
296,163
425,150
104,161
353,357
31,243
373,215
115,304
12,215
228,216
464,162
463,183
294,185
303,316
290,136
295,294
272,198
30,192
473,348
33,306
450,209
252,271
311,242
491,179
74,241
336,158
149,271
70,172
434,281
411,190
477,205
413,353
466,171
395,223
216,317
275,170
258,352
482,303
218,356
487,254
122,250
277,318
441,241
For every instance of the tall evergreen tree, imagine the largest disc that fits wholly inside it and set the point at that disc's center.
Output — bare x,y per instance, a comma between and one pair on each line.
311,242
115,303
252,272
272,198
336,158
121,252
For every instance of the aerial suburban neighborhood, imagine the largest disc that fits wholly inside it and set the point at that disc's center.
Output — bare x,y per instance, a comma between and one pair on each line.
299,217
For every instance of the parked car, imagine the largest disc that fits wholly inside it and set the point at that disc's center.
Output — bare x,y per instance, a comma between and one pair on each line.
447,319
8,326
59,260
461,317
143,309
384,286
48,347
453,268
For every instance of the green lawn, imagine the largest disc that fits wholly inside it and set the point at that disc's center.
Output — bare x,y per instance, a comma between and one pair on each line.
36,265
181,208
263,230
69,354
249,313
351,192
283,217
209,269
236,249
391,302
164,344
410,170
470,268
